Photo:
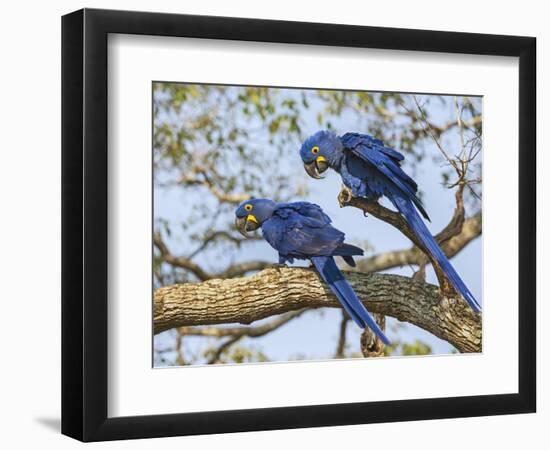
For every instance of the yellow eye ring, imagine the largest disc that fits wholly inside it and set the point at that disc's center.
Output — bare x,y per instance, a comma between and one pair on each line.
315,150
248,207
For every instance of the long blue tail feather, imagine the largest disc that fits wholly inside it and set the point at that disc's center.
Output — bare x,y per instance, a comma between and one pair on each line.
406,207
327,268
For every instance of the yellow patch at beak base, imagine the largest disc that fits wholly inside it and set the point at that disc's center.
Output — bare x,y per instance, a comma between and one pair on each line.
321,159
252,218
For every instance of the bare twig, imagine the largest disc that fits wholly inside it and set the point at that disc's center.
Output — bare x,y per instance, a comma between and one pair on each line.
251,331
390,116
428,129
219,235
462,162
237,333
199,176
183,263
222,348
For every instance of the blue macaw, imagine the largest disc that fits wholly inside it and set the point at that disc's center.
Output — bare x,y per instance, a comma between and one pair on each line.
301,230
370,169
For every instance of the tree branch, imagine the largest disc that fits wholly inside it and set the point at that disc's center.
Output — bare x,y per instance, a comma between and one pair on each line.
187,264
183,263
237,333
453,228
214,236
397,220
222,348
279,290
223,197
471,230
253,332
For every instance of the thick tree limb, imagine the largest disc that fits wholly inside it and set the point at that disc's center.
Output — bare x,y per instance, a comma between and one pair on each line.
280,290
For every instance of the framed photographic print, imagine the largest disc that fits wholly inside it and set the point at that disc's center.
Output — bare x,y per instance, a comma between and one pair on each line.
343,214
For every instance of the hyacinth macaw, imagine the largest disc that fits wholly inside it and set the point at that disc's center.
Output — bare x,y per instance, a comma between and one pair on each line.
301,230
371,169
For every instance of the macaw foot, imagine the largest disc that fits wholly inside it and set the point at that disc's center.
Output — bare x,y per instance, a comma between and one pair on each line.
345,196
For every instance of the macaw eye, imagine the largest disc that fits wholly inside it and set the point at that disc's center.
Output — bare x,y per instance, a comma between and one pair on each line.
315,150
248,207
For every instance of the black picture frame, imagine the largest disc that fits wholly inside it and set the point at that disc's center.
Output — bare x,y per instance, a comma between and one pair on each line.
84,224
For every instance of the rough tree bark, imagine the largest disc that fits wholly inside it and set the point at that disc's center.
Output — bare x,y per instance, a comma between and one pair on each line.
282,289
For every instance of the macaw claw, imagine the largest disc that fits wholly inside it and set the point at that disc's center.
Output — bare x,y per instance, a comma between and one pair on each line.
345,196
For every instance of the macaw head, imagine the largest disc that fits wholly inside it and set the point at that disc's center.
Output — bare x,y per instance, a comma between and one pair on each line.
321,151
251,214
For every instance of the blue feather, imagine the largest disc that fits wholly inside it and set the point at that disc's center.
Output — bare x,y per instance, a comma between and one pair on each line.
380,159
407,209
327,268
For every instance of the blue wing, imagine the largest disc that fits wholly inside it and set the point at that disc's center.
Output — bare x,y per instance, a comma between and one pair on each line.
310,213
385,160
302,230
351,140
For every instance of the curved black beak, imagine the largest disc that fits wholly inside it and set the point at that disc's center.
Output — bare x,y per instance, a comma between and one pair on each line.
315,168
246,225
